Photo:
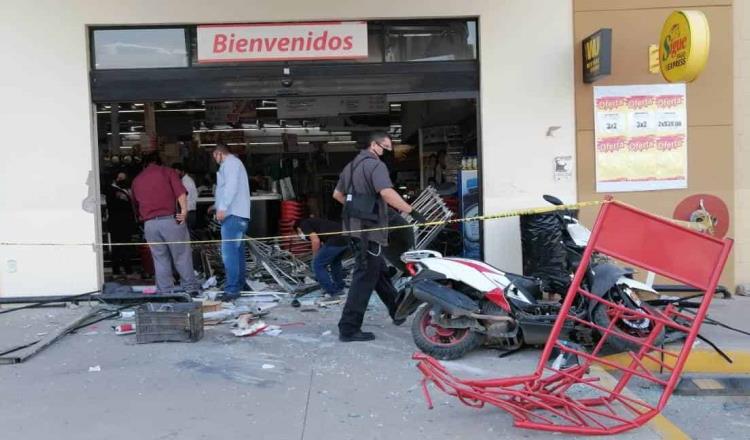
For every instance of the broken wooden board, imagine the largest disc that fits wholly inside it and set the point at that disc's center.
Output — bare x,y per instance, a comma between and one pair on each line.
211,306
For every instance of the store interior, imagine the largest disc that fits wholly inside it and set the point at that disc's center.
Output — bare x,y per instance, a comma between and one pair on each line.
294,149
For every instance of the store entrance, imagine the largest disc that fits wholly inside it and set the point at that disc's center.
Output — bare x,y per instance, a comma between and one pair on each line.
293,149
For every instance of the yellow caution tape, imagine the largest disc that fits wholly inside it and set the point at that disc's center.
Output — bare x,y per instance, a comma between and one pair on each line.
506,214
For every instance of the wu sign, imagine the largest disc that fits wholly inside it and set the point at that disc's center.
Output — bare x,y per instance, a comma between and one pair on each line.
597,55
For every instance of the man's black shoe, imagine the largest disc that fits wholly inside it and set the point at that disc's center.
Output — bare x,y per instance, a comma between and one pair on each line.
357,337
396,322
228,297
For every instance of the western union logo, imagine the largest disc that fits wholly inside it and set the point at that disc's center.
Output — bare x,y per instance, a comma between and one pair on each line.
592,47
597,55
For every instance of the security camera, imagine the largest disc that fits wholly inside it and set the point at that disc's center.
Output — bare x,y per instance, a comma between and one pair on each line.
286,79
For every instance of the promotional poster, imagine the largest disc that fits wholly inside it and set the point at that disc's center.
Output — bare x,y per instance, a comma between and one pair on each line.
640,137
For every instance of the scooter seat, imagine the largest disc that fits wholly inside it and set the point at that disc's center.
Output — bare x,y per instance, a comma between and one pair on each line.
531,286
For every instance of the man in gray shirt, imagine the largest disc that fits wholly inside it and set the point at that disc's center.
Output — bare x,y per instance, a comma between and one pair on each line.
366,179
233,212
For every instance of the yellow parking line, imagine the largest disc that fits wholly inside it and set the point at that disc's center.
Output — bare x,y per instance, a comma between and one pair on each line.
708,384
662,425
699,361
667,429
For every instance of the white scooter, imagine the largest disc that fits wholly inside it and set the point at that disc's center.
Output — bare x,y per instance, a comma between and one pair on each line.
461,304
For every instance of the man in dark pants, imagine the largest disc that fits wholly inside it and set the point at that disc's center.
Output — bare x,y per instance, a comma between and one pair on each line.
328,247
366,178
121,222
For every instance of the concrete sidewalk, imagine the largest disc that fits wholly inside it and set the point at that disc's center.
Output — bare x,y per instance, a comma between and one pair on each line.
302,384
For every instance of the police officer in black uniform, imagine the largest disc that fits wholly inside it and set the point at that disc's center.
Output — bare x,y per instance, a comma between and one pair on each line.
365,189
121,222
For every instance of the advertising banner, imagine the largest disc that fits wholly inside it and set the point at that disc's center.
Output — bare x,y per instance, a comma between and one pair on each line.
226,112
640,136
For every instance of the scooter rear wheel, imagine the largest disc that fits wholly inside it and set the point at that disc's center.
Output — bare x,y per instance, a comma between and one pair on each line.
440,342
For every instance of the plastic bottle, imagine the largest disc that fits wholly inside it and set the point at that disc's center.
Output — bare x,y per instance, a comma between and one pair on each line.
125,329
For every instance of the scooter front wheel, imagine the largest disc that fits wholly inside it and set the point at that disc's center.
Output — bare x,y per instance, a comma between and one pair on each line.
637,329
440,342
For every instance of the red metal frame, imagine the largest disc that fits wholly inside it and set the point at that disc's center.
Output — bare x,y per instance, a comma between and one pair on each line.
572,400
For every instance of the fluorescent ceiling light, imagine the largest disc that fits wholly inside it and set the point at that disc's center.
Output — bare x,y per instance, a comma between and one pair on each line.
157,111
182,110
120,111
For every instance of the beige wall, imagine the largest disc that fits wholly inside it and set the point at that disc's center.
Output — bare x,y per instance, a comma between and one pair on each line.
635,25
526,76
742,139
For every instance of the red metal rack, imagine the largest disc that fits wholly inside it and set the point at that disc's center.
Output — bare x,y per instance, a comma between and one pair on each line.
573,400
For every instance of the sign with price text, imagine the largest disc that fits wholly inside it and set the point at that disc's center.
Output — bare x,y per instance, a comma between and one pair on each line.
640,136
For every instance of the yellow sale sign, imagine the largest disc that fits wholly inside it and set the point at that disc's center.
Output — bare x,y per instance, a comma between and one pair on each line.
640,137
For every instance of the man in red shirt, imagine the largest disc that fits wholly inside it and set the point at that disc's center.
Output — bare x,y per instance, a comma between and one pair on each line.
157,190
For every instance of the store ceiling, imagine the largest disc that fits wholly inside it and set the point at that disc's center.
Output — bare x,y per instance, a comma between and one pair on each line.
258,121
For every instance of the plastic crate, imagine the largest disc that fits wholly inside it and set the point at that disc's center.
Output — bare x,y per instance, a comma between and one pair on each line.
176,322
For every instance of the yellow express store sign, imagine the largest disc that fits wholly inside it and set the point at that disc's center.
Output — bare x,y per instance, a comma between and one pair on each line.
684,44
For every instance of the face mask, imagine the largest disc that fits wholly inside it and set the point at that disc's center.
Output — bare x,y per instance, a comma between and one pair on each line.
388,157
302,236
